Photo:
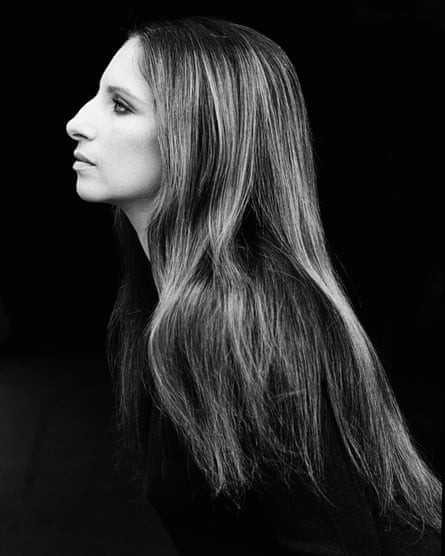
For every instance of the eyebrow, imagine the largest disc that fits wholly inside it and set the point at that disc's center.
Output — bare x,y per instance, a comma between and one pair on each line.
115,89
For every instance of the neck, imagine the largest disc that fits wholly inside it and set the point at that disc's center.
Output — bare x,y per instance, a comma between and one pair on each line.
138,217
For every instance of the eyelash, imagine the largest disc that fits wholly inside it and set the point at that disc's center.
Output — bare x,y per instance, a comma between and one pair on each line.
118,102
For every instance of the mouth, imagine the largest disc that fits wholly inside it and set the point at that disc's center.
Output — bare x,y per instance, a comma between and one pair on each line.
82,165
82,158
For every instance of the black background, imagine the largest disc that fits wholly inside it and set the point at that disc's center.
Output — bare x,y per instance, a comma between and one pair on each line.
372,77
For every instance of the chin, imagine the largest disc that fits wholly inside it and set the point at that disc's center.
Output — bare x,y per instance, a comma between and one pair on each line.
88,192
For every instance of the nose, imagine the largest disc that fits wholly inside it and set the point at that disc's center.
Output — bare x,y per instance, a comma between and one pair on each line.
81,125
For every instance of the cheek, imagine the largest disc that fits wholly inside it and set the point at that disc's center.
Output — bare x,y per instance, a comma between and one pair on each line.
134,167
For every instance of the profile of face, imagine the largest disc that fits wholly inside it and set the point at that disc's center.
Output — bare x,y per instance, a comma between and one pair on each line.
116,132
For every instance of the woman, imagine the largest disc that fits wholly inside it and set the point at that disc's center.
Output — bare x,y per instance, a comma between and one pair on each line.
253,405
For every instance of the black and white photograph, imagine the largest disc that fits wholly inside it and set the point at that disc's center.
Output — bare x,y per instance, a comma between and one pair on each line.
221,282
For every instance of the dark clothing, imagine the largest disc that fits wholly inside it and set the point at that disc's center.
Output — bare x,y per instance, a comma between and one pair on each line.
273,521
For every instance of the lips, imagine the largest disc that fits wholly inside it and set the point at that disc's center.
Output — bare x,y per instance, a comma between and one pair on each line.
82,158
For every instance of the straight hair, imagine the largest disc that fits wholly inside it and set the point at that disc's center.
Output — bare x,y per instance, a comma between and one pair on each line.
239,327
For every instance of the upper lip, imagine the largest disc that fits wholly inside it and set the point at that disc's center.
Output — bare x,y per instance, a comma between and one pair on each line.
82,157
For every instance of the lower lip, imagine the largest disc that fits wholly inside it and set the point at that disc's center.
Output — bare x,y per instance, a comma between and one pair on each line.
80,165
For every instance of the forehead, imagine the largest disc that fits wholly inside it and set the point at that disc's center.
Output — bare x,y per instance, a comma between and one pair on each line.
123,69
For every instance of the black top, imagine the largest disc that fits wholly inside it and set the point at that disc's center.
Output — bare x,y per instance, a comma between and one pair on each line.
273,521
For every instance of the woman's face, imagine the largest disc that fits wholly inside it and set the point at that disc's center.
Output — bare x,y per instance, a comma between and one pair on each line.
116,131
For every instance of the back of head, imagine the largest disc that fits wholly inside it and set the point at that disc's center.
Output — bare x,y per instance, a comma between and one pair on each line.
232,128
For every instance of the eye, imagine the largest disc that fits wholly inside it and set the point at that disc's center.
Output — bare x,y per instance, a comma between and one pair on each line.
119,107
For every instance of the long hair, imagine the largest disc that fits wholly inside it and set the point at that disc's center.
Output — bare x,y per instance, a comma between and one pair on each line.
250,329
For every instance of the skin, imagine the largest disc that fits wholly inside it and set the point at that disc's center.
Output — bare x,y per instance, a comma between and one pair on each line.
117,132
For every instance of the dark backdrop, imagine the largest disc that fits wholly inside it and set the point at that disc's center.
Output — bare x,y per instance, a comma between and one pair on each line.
372,77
